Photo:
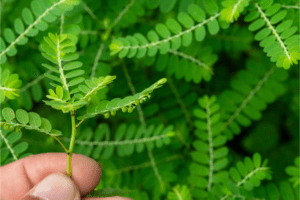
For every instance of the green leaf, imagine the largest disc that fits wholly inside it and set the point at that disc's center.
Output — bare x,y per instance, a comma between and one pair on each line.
187,39
163,31
70,57
59,92
19,26
8,114
235,174
45,124
9,35
14,137
185,20
51,68
211,6
200,33
256,160
41,26
34,119
273,9
32,32
196,12
278,17
286,191
152,36
256,24
167,5
174,26
84,88
2,44
72,65
36,8
74,73
164,48
213,27
27,16
20,148
272,191
22,116
220,164
262,34
76,81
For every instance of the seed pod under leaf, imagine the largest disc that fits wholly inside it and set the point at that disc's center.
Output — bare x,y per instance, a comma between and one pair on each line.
124,109
130,109
5,126
11,128
106,115
113,113
18,129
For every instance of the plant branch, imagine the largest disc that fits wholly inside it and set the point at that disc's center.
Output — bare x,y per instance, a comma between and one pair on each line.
79,124
63,146
190,58
117,143
96,61
291,7
121,14
62,20
273,29
211,148
142,120
27,127
173,37
89,11
62,76
71,148
180,102
145,165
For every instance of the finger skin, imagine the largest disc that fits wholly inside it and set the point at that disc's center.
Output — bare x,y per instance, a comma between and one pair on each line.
106,198
17,178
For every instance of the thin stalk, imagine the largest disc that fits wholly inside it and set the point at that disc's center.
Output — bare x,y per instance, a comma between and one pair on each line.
72,142
79,123
63,146
143,122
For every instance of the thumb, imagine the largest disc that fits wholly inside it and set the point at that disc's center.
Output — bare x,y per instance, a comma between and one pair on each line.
54,187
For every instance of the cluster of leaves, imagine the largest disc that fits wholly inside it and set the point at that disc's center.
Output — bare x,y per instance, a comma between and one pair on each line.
180,146
210,154
9,85
23,118
128,139
12,148
127,104
137,45
45,12
251,90
283,44
294,172
183,65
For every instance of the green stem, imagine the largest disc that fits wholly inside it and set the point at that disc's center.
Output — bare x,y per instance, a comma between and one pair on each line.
72,142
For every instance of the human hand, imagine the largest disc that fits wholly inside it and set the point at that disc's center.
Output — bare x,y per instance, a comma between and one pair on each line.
44,176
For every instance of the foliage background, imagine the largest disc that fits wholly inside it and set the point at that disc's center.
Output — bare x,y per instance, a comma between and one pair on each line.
274,135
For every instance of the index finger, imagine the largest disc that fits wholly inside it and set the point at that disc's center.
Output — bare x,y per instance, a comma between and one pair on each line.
19,177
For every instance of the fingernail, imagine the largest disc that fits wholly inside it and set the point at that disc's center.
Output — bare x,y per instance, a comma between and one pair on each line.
54,187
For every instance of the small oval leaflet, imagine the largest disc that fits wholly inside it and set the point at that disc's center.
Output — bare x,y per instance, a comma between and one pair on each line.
34,119
8,114
22,116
